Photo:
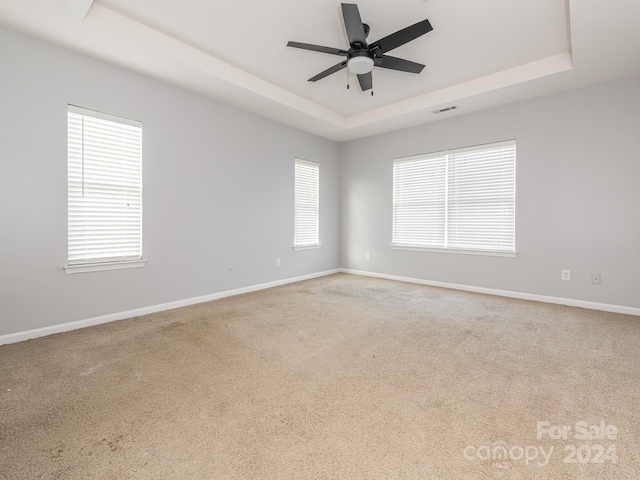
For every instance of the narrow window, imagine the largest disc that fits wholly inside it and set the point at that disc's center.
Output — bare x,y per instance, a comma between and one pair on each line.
306,230
104,191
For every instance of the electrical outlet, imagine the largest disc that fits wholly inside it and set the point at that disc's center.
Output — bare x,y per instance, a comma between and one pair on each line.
566,275
596,278
367,256
230,270
278,262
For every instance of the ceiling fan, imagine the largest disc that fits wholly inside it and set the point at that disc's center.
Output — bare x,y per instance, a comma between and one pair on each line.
362,57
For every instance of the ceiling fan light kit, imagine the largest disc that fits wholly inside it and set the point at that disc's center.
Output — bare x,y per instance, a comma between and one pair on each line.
362,57
360,65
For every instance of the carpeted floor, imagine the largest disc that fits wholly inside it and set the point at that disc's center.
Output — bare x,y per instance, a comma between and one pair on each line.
342,377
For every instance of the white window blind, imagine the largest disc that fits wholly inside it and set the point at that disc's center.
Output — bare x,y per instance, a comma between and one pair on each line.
419,201
306,181
104,188
459,199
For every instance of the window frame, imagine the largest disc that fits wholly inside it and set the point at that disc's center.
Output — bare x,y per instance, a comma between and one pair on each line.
112,176
303,210
442,211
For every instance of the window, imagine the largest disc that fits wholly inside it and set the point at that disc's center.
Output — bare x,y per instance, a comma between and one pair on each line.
306,204
104,191
460,199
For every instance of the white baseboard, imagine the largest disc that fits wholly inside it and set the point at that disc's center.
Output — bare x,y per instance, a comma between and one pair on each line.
605,307
65,327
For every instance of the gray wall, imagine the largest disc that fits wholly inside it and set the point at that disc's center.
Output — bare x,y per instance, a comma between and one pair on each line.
218,186
577,205
218,190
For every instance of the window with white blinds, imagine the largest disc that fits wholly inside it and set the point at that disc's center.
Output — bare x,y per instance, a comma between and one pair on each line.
460,199
104,188
306,180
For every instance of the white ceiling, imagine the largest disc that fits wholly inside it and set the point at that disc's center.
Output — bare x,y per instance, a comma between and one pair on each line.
480,53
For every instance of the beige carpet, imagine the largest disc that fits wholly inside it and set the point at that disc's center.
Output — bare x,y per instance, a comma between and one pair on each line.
342,377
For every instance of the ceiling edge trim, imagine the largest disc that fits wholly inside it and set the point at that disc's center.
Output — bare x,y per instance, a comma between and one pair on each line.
78,8
505,78
183,53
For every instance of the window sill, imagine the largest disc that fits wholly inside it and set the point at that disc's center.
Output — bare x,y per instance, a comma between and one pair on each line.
307,247
490,253
98,267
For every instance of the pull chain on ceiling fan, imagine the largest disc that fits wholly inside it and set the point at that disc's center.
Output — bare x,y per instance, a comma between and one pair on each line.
362,57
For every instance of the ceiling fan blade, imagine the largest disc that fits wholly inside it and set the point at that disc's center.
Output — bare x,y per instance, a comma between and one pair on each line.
317,48
395,63
329,71
402,36
353,24
366,81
